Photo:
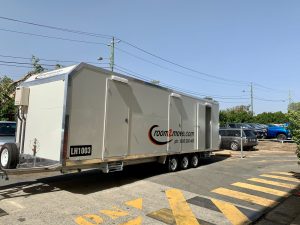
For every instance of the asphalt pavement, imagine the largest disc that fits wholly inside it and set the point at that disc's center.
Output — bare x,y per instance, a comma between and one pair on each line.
225,189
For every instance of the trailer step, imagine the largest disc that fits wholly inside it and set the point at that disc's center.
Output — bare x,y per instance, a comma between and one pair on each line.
112,167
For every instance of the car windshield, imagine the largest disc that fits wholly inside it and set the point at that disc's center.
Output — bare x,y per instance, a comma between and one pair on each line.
249,133
7,129
244,125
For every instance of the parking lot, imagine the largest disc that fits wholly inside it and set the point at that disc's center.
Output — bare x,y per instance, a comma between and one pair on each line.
225,189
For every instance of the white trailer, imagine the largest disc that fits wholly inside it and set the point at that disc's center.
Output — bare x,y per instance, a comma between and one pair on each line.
83,117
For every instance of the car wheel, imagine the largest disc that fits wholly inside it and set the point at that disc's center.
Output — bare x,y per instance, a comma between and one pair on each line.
172,164
234,146
281,137
194,160
184,162
9,156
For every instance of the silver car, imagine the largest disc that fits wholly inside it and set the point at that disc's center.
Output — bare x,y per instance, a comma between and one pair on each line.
7,132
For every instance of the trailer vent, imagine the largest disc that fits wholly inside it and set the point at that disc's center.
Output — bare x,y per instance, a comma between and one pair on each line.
112,167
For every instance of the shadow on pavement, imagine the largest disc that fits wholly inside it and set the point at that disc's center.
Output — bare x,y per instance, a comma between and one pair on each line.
90,181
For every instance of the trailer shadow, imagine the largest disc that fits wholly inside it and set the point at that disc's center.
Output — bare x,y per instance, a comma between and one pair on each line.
90,181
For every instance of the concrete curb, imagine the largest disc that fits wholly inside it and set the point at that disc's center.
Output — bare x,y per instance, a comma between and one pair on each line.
223,153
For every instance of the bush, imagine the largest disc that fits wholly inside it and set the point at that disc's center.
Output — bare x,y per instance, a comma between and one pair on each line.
294,127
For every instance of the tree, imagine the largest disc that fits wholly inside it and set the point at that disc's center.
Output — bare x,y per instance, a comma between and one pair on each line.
271,117
37,67
7,108
238,114
294,106
294,127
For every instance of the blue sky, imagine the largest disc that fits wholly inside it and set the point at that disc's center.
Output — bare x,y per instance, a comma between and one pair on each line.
238,41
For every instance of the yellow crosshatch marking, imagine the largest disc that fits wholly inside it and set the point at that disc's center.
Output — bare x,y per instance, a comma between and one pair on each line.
137,203
136,221
275,183
246,197
281,178
235,216
181,210
261,189
283,173
89,219
115,213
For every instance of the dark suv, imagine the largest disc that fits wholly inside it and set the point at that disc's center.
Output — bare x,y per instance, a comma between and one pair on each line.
258,131
231,138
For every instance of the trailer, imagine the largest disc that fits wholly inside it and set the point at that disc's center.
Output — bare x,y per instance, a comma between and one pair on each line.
83,117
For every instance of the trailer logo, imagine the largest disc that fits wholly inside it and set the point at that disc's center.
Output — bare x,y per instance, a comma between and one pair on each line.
159,133
80,150
155,134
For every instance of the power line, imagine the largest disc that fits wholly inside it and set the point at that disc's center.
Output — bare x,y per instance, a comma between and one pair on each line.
58,28
181,66
125,42
24,63
123,69
12,65
109,36
52,37
50,60
270,100
169,69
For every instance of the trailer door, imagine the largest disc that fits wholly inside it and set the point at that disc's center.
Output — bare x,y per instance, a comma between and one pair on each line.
175,124
117,119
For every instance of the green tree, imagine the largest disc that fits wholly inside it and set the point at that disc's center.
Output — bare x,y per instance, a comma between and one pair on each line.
37,67
295,106
294,127
271,117
7,108
238,114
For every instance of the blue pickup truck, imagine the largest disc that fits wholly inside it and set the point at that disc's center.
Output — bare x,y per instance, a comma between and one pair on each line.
278,131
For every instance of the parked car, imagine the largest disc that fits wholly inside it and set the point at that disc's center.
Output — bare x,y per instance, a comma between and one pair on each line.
231,138
258,131
279,132
7,132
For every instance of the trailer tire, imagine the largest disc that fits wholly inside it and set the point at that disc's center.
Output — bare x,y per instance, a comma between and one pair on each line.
195,160
9,156
172,164
184,162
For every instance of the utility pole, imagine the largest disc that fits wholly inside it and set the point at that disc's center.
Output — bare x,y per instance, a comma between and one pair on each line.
290,97
251,93
112,54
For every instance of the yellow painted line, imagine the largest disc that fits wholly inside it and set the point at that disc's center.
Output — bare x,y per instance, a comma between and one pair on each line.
89,219
283,173
181,210
136,221
115,213
246,197
281,178
164,215
137,203
261,189
274,183
232,213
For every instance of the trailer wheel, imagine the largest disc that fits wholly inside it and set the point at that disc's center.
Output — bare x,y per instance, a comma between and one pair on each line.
234,146
194,160
172,164
9,156
184,163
